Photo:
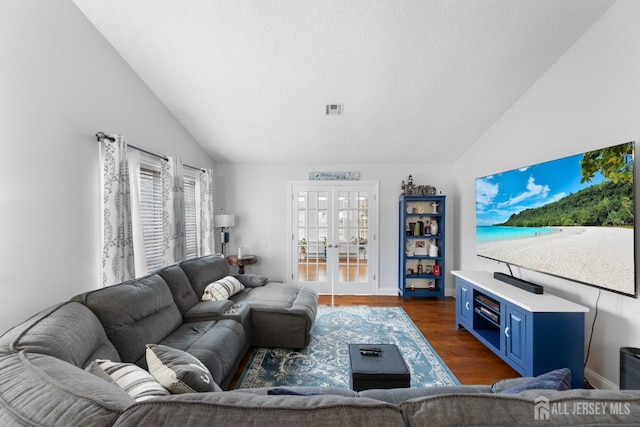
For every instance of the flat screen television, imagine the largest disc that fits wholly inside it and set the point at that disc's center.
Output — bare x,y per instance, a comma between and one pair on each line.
571,218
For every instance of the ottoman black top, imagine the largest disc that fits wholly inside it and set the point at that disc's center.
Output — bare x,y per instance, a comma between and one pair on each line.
388,362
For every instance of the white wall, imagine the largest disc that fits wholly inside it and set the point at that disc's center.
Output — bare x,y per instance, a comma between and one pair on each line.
60,83
256,194
589,99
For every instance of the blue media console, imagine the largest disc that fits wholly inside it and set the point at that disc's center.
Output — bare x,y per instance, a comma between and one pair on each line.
534,333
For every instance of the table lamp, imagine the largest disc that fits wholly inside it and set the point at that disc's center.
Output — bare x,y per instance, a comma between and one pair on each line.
224,222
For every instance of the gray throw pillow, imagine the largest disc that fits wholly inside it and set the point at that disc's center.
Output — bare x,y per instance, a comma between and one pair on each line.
558,379
499,386
179,371
251,280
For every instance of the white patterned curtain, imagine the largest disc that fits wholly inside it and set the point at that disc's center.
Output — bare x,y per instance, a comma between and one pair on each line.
173,211
141,267
206,230
117,241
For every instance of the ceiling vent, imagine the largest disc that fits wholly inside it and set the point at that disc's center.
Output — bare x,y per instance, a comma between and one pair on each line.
334,109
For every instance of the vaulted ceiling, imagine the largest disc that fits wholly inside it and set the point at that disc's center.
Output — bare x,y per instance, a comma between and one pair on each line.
419,80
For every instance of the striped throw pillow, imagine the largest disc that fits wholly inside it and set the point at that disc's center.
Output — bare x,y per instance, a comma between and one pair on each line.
131,378
222,289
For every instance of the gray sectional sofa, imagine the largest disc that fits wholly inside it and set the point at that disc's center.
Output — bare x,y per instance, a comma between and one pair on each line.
43,380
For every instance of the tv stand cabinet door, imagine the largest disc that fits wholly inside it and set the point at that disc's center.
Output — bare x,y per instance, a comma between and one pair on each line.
464,305
517,347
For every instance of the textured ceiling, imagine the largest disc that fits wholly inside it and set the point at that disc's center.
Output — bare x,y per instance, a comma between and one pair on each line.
420,80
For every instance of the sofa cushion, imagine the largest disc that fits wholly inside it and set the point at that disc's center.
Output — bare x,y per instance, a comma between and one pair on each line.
204,270
179,371
245,409
135,313
67,331
399,395
222,289
282,314
181,289
137,382
218,344
558,379
251,280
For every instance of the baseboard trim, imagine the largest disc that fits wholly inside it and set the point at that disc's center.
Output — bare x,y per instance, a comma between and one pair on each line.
598,381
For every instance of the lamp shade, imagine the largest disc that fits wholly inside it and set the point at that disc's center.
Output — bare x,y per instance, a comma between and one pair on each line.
224,220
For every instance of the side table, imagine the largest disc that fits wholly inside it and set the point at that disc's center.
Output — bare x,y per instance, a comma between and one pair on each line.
241,262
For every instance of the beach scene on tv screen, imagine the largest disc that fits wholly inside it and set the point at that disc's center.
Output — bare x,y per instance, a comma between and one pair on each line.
571,217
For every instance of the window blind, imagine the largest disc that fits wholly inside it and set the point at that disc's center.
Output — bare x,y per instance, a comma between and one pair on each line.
190,214
151,213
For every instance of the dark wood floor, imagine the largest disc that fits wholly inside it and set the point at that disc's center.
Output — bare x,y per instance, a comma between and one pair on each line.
469,360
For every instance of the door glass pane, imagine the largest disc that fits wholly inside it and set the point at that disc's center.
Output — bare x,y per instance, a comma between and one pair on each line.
353,232
312,236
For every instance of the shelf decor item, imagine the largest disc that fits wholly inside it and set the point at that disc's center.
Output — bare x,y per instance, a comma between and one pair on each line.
433,250
409,189
421,231
411,247
433,227
420,248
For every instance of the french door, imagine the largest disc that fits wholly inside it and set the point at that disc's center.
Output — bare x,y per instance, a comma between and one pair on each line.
333,236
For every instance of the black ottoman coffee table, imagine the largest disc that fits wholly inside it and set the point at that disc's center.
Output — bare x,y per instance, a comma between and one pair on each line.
384,369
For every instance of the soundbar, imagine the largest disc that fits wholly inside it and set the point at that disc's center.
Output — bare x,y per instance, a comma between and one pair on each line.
522,284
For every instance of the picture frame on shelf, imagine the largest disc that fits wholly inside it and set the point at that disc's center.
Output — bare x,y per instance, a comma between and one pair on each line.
420,248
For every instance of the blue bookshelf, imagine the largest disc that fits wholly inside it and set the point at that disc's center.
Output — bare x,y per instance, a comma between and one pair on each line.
421,252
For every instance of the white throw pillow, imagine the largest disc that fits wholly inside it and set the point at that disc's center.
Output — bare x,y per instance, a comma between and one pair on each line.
129,377
222,289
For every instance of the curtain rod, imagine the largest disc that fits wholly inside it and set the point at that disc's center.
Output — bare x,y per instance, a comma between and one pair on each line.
101,135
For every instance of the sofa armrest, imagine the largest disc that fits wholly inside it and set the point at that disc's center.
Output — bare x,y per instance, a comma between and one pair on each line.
207,310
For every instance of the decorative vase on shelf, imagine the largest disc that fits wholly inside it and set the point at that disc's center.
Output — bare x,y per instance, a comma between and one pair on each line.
433,250
434,226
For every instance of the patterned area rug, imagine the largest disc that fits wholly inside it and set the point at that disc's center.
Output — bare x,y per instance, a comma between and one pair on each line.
325,362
